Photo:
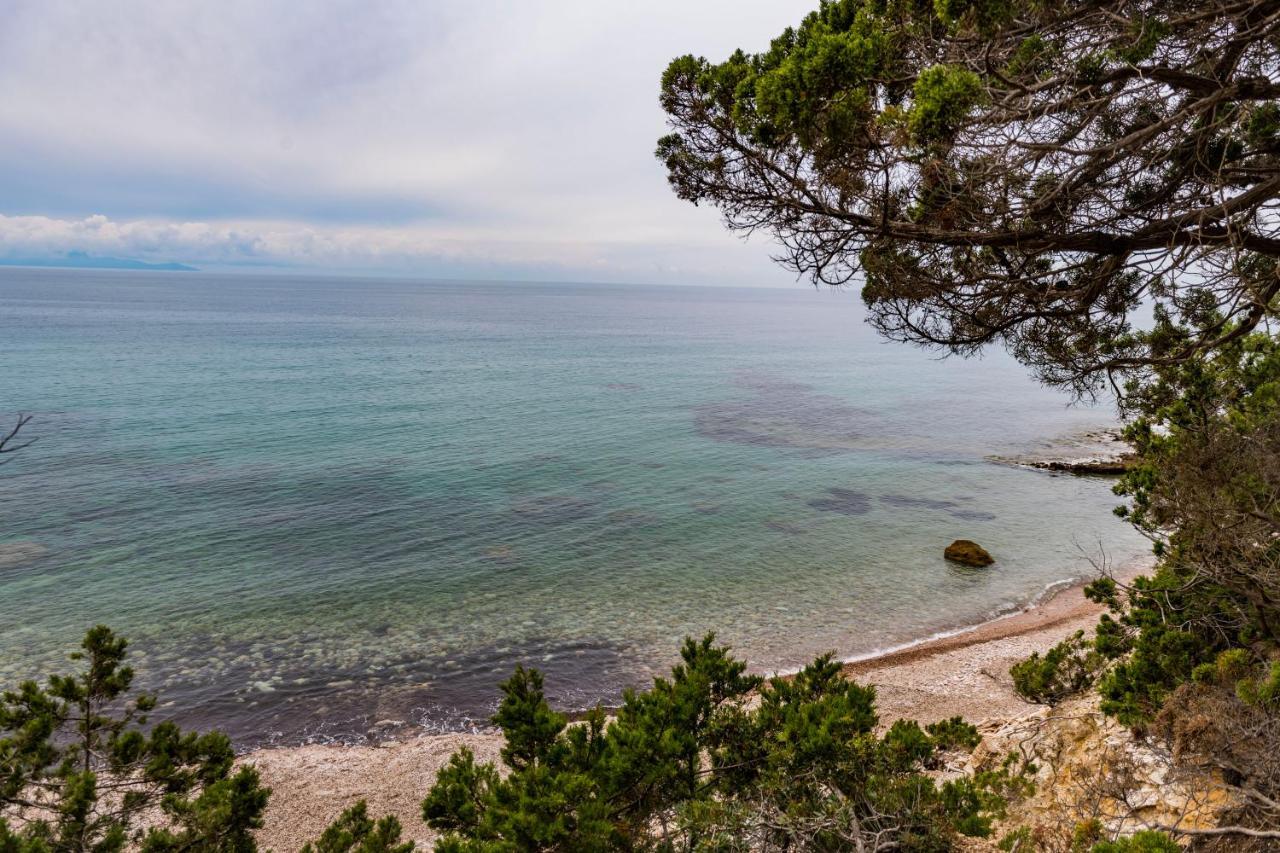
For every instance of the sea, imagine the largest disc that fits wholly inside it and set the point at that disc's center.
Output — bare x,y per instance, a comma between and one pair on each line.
342,509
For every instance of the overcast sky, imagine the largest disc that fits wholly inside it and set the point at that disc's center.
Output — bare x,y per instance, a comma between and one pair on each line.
435,137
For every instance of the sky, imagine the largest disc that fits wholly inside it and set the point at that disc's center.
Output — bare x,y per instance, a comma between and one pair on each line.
443,138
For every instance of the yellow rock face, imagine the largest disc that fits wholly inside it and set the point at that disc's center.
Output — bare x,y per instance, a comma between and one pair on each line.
1088,767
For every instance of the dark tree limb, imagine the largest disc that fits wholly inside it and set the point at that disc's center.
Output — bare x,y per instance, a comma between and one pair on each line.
9,443
1032,175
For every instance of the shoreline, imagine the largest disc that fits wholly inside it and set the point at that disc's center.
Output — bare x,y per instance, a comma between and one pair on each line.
1061,603
1097,453
966,673
963,672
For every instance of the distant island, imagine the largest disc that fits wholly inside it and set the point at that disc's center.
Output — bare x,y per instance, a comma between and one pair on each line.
83,260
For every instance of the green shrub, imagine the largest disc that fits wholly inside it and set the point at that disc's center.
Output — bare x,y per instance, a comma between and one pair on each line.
1066,669
690,764
355,832
1086,834
953,734
1018,839
1262,691
82,770
80,765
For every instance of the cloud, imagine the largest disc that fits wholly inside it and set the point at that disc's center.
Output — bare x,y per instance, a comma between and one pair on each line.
376,133
425,250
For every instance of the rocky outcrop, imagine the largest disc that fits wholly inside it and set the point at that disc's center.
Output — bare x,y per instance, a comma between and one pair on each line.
968,553
1088,767
1103,467
1102,453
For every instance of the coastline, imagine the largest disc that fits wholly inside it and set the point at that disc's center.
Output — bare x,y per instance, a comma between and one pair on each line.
1063,603
964,673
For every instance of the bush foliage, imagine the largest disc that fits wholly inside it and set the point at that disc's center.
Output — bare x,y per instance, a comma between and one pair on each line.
693,764
710,759
1065,670
82,770
1192,651
78,777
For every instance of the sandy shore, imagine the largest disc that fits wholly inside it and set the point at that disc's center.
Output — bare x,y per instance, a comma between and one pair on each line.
965,674
968,673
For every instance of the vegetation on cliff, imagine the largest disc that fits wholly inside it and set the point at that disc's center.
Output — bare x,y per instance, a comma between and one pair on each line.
1191,654
1096,187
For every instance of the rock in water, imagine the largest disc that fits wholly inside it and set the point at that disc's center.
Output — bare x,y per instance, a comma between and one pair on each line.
20,553
1108,467
968,553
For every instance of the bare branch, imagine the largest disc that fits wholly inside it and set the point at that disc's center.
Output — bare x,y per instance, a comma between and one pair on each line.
7,443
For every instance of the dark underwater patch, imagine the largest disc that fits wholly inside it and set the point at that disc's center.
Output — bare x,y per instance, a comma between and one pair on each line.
783,526
783,413
843,501
951,508
553,509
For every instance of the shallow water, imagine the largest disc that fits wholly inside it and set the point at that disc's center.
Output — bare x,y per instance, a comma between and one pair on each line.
316,504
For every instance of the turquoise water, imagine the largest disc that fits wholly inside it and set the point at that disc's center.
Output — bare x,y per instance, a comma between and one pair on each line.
315,504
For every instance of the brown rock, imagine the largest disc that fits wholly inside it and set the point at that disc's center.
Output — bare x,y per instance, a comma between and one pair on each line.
1110,467
968,553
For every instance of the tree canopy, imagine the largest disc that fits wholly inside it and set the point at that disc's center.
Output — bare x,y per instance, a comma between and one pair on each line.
82,770
693,764
1021,173
1093,184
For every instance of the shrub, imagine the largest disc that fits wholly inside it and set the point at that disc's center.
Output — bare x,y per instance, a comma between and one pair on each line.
1066,669
1263,690
689,764
355,832
81,771
953,734
1017,839
82,778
